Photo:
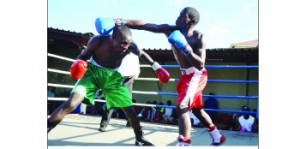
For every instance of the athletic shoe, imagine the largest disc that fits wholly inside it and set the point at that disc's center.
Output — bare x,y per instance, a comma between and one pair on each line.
183,142
140,140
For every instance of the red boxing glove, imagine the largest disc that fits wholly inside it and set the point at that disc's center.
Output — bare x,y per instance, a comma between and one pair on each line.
162,74
78,69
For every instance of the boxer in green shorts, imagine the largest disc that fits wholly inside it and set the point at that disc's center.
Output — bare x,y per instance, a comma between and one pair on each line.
109,81
98,67
132,66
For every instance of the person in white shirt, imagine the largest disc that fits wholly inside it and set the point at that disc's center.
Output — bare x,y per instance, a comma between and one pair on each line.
246,121
168,113
194,119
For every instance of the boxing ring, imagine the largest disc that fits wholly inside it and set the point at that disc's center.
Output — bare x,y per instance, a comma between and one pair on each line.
82,130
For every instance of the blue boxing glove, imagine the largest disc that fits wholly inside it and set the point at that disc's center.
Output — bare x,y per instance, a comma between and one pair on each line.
179,41
105,25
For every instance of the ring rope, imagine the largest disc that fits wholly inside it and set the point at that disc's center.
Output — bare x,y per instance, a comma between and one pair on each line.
167,66
163,106
210,81
207,66
167,93
60,85
171,79
61,57
59,71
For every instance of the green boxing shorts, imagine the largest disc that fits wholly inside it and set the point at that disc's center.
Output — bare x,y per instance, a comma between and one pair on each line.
109,81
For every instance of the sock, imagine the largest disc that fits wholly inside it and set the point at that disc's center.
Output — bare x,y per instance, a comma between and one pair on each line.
184,139
211,128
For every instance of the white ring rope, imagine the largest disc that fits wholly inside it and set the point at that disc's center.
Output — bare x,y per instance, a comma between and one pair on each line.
145,66
61,57
157,106
144,79
71,86
145,93
73,60
98,100
59,71
60,85
140,79
153,79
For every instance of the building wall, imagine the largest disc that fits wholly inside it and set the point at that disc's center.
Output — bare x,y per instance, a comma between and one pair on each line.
242,46
65,50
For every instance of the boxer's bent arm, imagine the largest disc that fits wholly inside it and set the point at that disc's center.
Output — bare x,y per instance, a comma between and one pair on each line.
85,55
91,45
141,54
146,58
197,57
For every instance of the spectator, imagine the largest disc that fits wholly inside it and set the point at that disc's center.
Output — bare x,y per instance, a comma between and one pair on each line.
168,113
255,125
159,112
225,121
212,103
136,108
154,102
51,91
194,120
246,121
147,113
51,104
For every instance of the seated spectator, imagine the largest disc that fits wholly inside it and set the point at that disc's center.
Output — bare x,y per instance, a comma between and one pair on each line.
255,125
194,120
246,121
168,113
51,91
225,121
158,113
212,103
154,102
136,108
51,105
147,113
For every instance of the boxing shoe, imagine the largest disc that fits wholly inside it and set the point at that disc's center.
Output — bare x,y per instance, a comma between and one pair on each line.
140,140
183,141
128,124
219,142
50,125
103,125
105,120
217,137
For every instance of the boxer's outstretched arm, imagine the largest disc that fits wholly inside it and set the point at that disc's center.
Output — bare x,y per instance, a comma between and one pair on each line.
156,28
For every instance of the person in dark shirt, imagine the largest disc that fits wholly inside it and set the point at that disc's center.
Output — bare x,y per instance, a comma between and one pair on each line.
212,103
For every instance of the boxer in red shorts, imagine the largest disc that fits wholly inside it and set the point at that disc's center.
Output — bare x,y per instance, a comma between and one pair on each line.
190,87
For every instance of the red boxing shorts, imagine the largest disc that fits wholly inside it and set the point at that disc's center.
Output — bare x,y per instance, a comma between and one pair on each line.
190,87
